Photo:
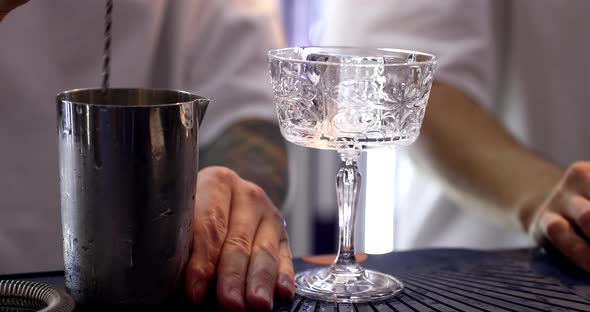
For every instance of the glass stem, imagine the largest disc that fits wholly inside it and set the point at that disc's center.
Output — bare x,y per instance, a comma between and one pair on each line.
348,183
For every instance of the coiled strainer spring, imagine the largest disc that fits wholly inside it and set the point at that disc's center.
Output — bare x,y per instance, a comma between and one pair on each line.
33,296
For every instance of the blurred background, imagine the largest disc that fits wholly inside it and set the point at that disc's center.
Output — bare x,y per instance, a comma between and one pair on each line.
218,48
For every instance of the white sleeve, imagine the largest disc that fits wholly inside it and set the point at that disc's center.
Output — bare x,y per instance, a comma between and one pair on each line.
459,32
227,42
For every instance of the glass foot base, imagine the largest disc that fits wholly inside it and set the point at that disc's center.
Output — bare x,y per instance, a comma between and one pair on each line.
366,286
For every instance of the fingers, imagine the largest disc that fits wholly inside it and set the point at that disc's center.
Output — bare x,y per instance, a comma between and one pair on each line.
211,217
562,235
239,237
245,217
285,284
578,211
264,263
577,178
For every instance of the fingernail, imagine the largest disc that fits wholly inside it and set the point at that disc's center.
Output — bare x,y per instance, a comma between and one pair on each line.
263,293
199,290
285,282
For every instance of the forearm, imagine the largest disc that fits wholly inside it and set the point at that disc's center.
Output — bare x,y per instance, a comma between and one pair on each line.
256,151
481,164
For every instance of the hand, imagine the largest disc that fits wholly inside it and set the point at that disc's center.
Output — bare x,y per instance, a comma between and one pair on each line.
239,242
9,5
564,218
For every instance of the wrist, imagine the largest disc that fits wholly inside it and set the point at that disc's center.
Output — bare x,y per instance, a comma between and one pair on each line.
540,189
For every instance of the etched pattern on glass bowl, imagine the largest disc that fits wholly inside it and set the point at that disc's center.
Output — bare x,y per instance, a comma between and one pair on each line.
349,100
329,100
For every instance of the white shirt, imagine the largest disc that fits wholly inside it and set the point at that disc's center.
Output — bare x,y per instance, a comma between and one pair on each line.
215,49
524,60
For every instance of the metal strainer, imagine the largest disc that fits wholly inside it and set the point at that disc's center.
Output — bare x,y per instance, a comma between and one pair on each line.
32,296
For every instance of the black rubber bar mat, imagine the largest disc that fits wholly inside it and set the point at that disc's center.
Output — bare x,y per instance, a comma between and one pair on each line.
450,280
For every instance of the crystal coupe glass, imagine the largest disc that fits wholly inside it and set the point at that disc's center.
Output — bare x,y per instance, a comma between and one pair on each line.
349,99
